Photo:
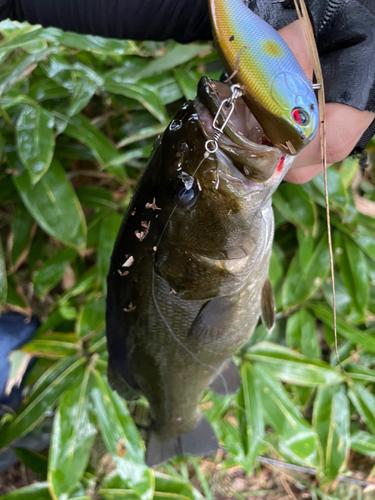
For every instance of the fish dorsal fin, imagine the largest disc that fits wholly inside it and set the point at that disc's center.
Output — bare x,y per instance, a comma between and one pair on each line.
268,306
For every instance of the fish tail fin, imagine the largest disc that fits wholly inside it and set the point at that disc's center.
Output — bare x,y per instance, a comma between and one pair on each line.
198,442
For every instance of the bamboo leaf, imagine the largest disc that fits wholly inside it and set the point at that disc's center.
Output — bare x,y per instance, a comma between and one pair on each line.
72,437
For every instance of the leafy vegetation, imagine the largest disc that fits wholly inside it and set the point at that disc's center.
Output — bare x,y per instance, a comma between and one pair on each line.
78,117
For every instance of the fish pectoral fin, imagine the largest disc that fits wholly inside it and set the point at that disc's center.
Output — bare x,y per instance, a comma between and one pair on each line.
268,306
200,441
228,381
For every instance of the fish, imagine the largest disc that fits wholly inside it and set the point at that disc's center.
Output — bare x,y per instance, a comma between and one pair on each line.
278,92
188,276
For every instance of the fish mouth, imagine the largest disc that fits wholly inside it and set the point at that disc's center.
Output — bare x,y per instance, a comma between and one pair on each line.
242,139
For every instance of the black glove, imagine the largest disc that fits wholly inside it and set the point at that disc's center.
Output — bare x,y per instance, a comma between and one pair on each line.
344,30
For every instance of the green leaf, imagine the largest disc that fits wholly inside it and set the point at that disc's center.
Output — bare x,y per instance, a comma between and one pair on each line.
80,128
107,237
364,443
91,318
37,462
54,205
331,421
80,80
296,440
353,272
21,234
96,44
293,367
364,403
52,270
36,491
346,330
175,57
296,206
188,81
3,279
72,437
34,412
336,191
171,487
117,427
250,414
22,66
299,283
145,94
35,140
302,334
50,348
96,197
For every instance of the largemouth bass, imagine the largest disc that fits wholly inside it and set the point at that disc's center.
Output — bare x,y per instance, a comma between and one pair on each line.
189,271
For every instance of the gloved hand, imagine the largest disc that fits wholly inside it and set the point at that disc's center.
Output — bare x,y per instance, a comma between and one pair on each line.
345,35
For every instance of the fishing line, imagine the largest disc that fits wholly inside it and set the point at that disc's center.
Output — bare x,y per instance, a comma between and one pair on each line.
217,372
303,16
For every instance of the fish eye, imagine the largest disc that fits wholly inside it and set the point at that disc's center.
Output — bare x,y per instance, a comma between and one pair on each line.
300,116
187,196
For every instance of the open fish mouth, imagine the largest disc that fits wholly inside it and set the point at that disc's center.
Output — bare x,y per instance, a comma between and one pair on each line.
243,139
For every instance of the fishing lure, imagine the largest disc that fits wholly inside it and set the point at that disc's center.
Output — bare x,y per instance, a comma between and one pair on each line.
277,91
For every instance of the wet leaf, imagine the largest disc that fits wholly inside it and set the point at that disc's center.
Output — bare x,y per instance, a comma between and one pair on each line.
363,442
296,440
37,462
175,57
336,190
54,205
116,425
21,234
37,491
91,318
353,271
188,81
250,414
292,367
344,329
34,412
296,206
364,403
35,140
52,270
302,334
72,437
299,283
80,128
145,94
171,487
50,348
331,421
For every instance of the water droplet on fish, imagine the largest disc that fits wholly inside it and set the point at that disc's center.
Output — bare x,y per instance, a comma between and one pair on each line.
255,135
175,124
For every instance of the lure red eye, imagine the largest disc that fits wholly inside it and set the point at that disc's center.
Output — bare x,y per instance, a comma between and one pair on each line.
300,116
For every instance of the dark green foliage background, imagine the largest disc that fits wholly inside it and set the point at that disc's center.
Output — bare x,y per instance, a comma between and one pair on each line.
78,117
